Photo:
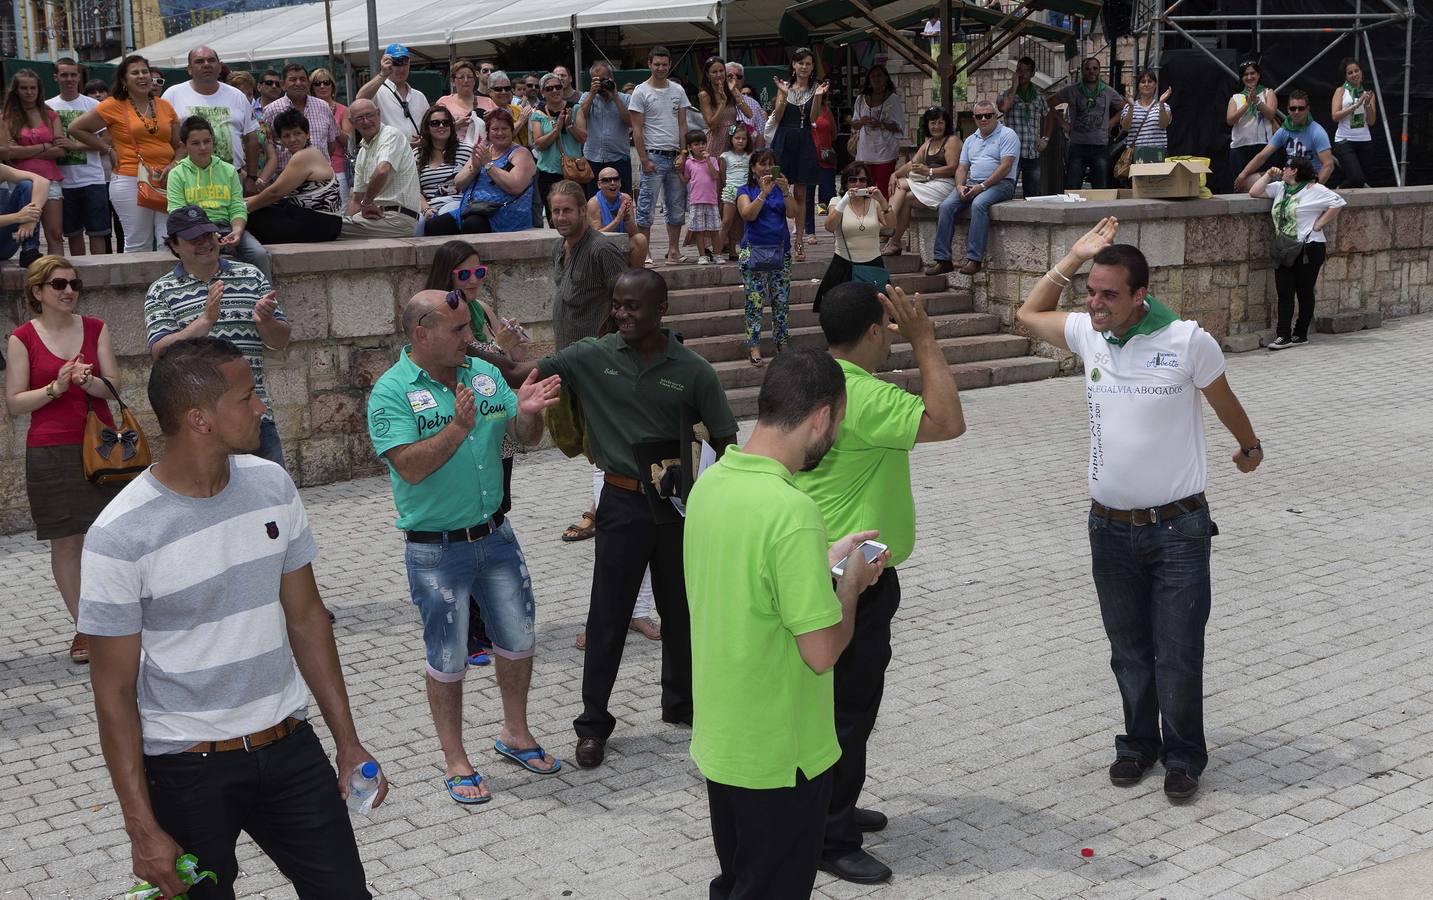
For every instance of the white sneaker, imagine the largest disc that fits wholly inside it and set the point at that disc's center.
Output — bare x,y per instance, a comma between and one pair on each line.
705,260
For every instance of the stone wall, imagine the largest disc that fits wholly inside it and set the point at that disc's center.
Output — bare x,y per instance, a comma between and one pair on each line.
343,301
1209,259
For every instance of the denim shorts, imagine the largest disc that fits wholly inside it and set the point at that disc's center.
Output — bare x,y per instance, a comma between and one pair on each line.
86,210
492,571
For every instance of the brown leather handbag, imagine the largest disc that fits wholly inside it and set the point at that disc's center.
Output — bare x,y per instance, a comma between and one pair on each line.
113,455
575,168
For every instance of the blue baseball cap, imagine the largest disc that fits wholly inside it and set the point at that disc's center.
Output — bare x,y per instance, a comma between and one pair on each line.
396,51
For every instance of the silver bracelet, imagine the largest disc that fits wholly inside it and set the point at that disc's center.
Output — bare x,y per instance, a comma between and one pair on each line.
1055,275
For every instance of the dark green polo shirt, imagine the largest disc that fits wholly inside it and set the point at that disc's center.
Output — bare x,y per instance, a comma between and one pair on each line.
625,404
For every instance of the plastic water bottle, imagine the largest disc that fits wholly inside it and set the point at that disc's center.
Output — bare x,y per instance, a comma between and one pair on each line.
363,784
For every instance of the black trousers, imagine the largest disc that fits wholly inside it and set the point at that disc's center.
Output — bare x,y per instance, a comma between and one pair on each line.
284,795
286,223
627,542
1299,280
860,681
767,841
1354,158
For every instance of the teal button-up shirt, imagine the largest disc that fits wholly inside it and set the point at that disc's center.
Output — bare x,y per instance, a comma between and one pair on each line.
407,406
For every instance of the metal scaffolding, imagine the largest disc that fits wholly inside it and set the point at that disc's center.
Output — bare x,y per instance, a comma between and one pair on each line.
1154,20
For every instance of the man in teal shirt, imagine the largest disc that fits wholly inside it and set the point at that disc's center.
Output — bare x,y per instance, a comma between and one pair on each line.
437,418
203,180
767,628
865,482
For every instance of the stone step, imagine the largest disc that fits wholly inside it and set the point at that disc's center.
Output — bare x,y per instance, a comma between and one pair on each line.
695,276
986,350
986,373
730,321
733,346
731,295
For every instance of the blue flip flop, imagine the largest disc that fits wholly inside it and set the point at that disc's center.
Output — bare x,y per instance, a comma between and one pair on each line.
524,758
457,781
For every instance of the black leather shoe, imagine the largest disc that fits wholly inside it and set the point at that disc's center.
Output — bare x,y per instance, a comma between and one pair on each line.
1179,784
858,867
680,721
590,752
1128,770
870,820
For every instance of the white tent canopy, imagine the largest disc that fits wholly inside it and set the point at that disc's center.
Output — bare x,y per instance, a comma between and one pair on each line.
431,27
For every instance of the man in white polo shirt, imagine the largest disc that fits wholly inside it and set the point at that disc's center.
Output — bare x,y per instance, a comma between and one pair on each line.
1149,524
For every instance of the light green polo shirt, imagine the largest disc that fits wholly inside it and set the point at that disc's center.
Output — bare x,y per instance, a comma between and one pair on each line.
757,576
407,406
626,403
865,481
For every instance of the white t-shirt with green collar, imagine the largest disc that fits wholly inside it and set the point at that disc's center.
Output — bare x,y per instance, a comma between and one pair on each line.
1145,418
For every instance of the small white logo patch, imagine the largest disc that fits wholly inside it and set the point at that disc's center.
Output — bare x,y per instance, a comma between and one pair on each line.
484,385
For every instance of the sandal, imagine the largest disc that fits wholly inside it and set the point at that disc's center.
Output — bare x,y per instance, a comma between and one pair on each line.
80,649
580,532
754,357
800,254
890,250
457,781
646,628
524,758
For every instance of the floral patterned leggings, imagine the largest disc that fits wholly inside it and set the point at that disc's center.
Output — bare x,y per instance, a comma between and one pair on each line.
766,287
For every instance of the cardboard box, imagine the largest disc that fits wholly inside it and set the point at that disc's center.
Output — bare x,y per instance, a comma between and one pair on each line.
1095,194
1169,180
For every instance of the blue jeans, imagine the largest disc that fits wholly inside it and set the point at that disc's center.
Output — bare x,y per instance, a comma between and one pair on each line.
1030,177
674,193
443,577
270,447
15,196
250,251
1082,157
1153,584
951,206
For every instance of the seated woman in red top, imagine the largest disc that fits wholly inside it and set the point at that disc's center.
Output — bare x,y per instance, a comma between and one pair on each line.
52,361
33,140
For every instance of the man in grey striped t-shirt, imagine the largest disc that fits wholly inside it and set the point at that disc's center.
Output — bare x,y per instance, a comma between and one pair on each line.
198,594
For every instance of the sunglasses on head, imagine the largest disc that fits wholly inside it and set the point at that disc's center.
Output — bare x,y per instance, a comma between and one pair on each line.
453,298
60,284
322,83
477,273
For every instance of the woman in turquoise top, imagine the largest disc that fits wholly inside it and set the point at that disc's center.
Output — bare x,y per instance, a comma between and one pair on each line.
551,128
497,185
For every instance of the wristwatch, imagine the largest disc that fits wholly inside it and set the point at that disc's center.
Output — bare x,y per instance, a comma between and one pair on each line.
1250,451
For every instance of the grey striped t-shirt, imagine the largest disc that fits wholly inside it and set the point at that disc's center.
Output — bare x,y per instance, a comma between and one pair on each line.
198,580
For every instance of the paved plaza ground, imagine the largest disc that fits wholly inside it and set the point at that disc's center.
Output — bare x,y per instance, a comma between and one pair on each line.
997,727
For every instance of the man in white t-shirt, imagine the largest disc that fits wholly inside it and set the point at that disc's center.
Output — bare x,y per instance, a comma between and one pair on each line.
1149,523
236,132
401,105
86,196
659,122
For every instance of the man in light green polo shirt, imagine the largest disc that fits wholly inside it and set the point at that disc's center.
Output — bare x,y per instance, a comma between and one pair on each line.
766,630
865,482
437,418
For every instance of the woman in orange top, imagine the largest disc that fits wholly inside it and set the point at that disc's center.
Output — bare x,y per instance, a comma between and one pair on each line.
145,133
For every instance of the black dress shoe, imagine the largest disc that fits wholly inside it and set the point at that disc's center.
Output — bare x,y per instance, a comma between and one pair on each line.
590,752
870,820
858,867
1179,784
331,619
683,721
1128,770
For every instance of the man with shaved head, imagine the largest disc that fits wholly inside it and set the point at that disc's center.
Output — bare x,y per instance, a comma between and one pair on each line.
437,418
236,131
613,212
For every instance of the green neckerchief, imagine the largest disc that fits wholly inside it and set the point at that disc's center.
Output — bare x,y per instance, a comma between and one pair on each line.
1289,126
1091,94
1156,317
1357,120
1252,108
1286,210
1026,93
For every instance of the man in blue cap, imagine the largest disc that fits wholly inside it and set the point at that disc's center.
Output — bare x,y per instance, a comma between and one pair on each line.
401,104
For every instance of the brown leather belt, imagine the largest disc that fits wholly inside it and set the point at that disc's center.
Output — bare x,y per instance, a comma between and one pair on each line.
622,481
1152,515
249,742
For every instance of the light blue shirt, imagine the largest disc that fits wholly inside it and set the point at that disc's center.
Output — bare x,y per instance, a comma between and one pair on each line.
1309,142
607,138
983,154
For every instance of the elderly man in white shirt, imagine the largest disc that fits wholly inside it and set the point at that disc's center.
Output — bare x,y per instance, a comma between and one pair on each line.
385,198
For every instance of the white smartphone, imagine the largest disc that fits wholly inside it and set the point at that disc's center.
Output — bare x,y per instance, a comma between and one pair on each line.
869,549
860,192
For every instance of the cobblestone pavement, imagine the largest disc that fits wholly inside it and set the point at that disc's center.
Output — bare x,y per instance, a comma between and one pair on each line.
1000,707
